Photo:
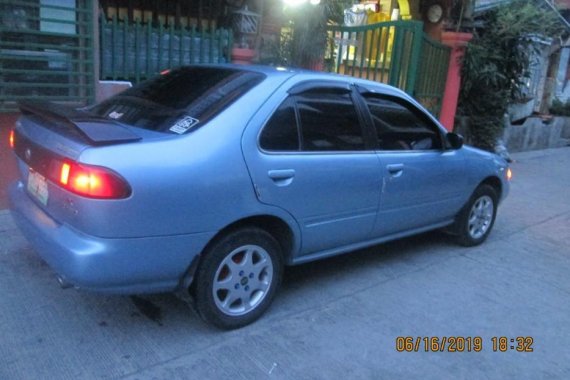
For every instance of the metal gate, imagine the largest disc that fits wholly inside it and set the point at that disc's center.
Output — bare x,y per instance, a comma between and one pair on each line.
397,53
46,52
134,51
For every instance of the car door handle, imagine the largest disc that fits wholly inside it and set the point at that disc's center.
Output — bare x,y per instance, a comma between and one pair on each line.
282,177
395,169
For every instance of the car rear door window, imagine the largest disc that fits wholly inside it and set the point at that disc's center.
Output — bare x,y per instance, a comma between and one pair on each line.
316,120
329,121
401,126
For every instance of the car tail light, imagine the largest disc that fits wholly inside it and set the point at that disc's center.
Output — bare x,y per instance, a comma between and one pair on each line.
92,181
11,138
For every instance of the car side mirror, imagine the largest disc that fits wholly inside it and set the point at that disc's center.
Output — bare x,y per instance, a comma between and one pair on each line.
455,140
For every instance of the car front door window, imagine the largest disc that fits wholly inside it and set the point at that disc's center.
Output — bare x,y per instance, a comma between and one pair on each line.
400,126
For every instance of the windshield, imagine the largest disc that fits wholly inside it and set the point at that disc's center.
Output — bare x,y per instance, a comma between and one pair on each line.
179,100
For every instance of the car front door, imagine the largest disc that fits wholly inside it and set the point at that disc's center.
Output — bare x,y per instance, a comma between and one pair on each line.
312,159
423,179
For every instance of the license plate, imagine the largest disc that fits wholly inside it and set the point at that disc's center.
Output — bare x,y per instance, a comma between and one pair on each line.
37,186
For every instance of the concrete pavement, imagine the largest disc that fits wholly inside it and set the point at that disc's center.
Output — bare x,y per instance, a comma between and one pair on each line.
335,319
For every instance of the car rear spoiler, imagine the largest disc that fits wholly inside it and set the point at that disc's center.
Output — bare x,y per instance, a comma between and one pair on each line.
97,130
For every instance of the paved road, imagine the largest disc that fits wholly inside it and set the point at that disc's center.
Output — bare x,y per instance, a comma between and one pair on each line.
337,319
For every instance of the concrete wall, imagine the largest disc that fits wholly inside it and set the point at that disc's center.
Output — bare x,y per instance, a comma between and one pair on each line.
561,86
537,134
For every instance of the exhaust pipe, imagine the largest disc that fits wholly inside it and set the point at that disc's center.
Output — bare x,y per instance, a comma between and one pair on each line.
63,283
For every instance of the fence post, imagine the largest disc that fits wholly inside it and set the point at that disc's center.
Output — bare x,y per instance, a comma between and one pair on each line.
181,32
159,57
192,36
148,52
137,48
340,51
458,43
415,58
395,60
114,33
202,46
220,45
363,56
211,42
103,42
170,45
125,47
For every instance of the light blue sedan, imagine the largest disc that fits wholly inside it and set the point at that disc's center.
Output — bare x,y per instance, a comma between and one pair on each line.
211,179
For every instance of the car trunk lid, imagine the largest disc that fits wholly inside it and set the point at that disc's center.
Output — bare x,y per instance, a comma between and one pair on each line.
77,124
49,140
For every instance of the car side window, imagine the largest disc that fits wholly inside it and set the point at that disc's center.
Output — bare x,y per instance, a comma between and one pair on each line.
401,126
281,132
329,121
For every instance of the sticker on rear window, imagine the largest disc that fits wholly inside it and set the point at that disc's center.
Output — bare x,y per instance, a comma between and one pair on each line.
115,115
184,124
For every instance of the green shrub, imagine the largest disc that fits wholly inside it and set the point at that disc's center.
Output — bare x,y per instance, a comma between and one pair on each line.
560,109
496,65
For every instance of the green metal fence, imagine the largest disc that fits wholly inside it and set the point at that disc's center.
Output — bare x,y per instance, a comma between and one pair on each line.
134,51
46,52
396,52
432,74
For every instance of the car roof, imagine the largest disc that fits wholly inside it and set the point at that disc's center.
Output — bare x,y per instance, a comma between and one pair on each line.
287,72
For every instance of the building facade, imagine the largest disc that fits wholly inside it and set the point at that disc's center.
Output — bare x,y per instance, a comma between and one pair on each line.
77,51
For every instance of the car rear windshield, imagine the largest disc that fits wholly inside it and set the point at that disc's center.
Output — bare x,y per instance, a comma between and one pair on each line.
179,100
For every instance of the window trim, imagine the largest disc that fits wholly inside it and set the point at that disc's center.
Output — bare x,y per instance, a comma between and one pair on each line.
311,85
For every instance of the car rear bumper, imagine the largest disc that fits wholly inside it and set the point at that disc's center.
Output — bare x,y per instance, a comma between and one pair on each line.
118,266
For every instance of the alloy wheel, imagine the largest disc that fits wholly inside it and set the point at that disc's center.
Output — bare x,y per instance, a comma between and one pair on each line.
480,217
242,280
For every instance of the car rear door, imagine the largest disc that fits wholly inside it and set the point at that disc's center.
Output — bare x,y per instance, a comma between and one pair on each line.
308,153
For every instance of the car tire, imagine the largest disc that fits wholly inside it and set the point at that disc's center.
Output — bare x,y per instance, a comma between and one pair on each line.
238,277
476,219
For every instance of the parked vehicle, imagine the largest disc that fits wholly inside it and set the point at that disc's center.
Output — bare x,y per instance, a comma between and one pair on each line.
211,179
